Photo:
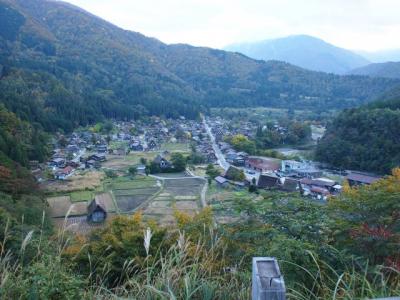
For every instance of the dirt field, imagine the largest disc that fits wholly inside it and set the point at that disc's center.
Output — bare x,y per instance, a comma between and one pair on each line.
79,224
80,181
129,203
183,187
186,205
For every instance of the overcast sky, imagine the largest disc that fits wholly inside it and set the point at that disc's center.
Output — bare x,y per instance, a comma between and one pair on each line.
353,24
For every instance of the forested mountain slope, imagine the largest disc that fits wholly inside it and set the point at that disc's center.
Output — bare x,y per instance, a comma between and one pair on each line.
62,67
387,70
365,138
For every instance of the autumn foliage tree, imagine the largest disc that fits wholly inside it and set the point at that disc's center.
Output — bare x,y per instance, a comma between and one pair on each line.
367,220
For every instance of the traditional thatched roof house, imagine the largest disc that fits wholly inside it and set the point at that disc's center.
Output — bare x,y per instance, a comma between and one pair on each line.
96,211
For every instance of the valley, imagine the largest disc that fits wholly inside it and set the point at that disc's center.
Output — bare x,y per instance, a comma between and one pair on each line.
139,168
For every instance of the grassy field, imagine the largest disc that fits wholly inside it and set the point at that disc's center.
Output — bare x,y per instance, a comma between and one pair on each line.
175,147
121,183
81,196
118,144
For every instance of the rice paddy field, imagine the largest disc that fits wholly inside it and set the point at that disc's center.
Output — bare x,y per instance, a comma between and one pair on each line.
130,194
181,194
158,198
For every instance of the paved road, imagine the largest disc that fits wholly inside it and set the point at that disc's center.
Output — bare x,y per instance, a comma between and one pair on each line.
221,159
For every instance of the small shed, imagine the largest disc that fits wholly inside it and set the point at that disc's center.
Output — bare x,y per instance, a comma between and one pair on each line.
97,212
221,181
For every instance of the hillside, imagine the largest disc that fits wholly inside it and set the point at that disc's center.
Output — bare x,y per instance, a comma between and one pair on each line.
387,70
365,138
304,51
63,67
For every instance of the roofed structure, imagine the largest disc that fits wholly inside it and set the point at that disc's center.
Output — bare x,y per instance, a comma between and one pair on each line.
97,212
359,178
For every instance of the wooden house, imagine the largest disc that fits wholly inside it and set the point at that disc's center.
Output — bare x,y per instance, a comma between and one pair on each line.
268,181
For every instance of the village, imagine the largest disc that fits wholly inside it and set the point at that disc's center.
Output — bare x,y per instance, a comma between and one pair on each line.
125,167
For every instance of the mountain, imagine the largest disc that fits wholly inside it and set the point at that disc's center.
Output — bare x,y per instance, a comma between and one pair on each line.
62,67
365,138
381,56
304,51
387,70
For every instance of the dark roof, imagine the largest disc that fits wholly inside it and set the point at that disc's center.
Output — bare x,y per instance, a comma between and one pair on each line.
159,159
317,182
264,163
362,177
290,185
319,190
67,170
96,204
267,181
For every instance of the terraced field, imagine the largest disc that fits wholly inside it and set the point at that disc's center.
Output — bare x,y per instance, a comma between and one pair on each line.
181,194
130,194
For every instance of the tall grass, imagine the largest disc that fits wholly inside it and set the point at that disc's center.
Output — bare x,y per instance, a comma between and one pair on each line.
187,270
355,281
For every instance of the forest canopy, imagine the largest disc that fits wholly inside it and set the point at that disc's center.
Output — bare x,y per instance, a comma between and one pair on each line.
365,138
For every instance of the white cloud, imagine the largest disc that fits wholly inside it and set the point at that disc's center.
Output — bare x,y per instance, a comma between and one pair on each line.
353,24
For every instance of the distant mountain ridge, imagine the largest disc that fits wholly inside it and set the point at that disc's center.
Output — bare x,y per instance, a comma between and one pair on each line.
304,51
380,56
386,70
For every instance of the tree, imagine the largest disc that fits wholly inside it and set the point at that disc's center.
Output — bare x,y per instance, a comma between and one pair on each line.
242,143
132,171
211,171
110,173
366,219
107,127
143,160
253,186
63,141
235,174
179,162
